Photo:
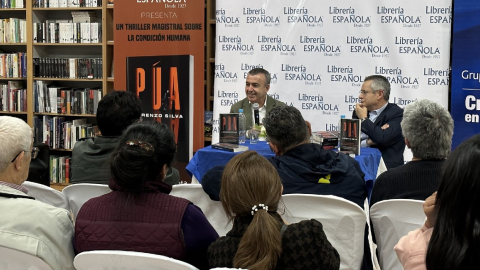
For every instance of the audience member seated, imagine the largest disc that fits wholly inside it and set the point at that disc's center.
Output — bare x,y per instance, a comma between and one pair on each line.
449,239
91,156
250,193
306,167
139,215
28,225
428,130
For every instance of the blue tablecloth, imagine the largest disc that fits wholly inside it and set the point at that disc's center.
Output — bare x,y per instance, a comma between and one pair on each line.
206,158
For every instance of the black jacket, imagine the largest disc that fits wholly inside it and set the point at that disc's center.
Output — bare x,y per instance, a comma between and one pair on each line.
310,169
389,141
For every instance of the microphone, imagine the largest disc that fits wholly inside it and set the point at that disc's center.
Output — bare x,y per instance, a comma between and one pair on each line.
255,113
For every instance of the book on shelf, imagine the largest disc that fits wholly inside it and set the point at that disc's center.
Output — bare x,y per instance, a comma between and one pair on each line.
229,130
230,147
208,123
60,133
65,100
65,3
60,169
350,135
13,65
13,96
164,85
68,68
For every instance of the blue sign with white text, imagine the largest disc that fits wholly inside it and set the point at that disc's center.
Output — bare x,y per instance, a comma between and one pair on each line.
465,94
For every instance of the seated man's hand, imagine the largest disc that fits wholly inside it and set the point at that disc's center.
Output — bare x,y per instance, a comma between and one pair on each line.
361,111
385,126
370,142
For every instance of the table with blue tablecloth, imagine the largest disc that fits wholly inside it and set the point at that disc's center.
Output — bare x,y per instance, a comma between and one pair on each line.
206,158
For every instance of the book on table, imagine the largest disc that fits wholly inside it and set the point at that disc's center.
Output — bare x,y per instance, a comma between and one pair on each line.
230,147
328,139
350,136
229,129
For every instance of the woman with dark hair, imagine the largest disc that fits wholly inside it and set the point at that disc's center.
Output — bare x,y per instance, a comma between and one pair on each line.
450,237
250,192
139,215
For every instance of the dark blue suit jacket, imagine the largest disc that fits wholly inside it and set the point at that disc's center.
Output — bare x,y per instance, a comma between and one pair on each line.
389,141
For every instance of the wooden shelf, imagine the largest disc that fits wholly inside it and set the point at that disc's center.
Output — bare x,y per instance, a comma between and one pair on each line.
66,44
59,186
13,79
60,150
67,8
65,114
12,112
13,44
66,79
12,9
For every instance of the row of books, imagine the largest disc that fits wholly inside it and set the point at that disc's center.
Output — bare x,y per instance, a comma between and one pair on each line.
13,65
60,169
73,68
60,133
65,100
64,31
65,3
13,97
13,30
12,3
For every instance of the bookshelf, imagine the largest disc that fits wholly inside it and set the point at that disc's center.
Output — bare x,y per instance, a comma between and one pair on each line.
104,49
25,43
19,35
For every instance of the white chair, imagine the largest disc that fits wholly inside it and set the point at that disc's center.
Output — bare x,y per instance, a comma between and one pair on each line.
127,260
343,223
11,259
78,194
213,210
220,268
391,220
46,194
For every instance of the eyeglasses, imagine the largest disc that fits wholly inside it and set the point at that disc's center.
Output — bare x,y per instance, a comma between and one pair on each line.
34,154
363,92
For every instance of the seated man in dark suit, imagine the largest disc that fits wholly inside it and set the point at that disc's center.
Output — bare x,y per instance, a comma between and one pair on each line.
256,88
428,131
380,120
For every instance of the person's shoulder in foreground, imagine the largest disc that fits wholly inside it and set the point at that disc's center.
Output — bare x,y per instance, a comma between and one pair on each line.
427,128
37,228
250,193
28,225
140,203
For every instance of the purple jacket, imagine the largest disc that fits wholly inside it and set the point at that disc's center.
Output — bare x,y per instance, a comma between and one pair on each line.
152,222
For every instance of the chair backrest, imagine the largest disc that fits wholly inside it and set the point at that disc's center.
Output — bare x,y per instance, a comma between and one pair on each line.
127,260
47,195
391,220
343,223
213,210
78,194
14,259
219,268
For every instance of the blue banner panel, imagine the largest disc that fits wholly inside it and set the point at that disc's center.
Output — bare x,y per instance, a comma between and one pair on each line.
465,95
